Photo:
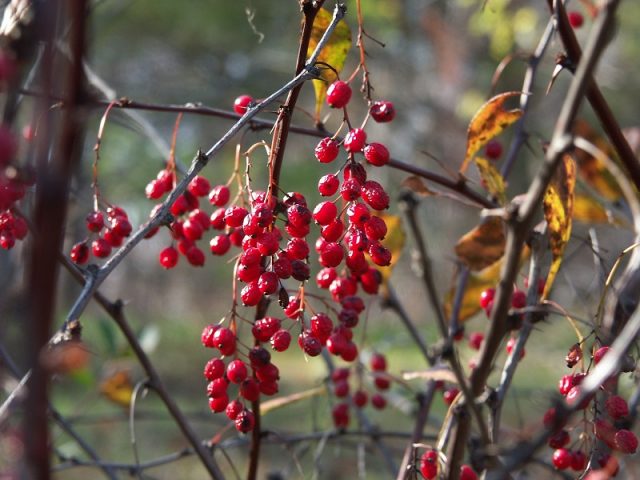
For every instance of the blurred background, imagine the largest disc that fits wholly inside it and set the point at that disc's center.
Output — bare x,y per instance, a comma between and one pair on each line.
437,65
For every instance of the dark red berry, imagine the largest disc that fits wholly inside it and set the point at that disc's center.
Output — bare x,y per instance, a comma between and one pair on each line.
245,421
281,340
101,248
195,256
617,407
376,154
450,394
578,461
626,441
378,362
601,352
374,195
467,473
95,221
382,111
493,149
378,401
360,398
79,253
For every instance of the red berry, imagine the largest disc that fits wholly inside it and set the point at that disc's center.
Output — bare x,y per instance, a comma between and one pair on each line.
251,294
195,256
249,389
281,340
95,221
219,195
575,19
331,255
565,384
101,248
338,94
450,394
601,352
350,189
467,473
169,257
617,407
511,344
559,439
376,154
234,215
373,193
327,150
429,464
328,185
79,253
199,186
213,369
378,362
237,371
233,409
218,387
355,140
241,104
475,340
268,283
378,401
264,328
572,398
360,398
321,326
224,340
381,381
220,244
325,213
382,112
341,388
493,150
245,421
578,461
379,254
519,299
218,404
562,458
626,441
340,414
486,297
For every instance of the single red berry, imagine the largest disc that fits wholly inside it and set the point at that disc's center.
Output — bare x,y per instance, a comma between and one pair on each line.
268,283
340,415
487,296
575,19
376,154
310,344
519,299
281,340
224,340
378,401
341,388
382,111
218,404
282,267
572,398
213,369
328,185
192,230
234,215
350,189
233,409
429,464
331,255
325,213
245,421
355,140
79,253
169,257
95,221
561,458
467,473
378,362
374,194
601,352
578,461
195,256
217,387
559,439
101,248
241,104
493,149
264,328
379,254
338,94
360,398
450,394
327,150
249,389
565,384
381,381
236,371
219,195
375,228
617,407
475,340
626,441
251,294
199,186
332,231
511,344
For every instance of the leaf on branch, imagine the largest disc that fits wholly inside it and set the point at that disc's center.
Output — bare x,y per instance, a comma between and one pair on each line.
476,284
118,388
394,242
483,245
334,53
65,357
492,179
436,373
276,403
593,170
487,123
417,185
558,212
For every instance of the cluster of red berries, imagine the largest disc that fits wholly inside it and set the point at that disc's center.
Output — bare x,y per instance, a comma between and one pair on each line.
429,467
608,424
106,232
360,398
12,189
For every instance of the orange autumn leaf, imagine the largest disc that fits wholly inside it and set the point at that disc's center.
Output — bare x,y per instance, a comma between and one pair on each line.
483,245
334,53
592,169
488,122
65,357
558,212
417,185
118,388
492,179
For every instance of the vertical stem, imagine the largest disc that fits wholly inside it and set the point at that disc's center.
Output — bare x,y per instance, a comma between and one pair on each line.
50,211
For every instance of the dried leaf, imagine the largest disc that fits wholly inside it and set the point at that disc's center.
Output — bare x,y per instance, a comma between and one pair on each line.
492,179
476,284
558,212
275,403
436,373
334,53
483,245
417,185
394,241
588,210
65,357
487,123
118,388
593,170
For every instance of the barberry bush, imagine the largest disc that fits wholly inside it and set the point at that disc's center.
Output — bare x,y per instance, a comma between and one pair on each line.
412,255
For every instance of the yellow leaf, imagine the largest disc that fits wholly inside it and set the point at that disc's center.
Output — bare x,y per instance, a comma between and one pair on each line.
492,179
558,211
275,403
588,210
593,170
334,53
394,241
476,284
483,245
118,388
487,123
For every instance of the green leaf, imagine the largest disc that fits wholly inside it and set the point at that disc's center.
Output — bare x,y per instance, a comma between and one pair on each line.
334,53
